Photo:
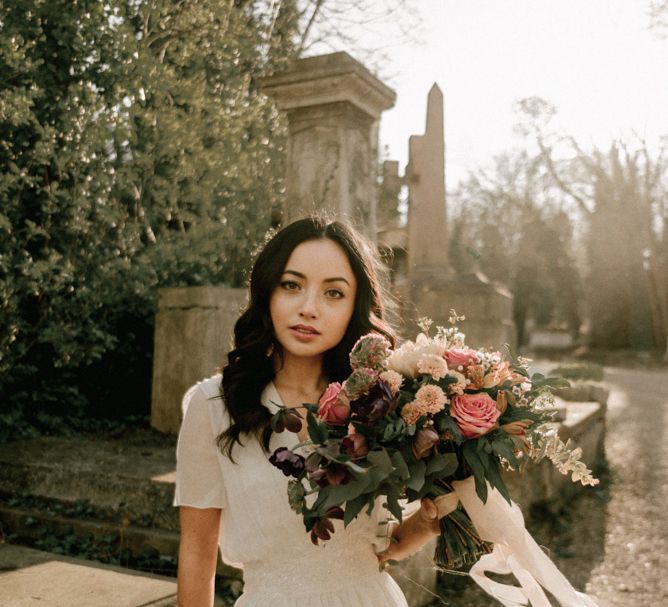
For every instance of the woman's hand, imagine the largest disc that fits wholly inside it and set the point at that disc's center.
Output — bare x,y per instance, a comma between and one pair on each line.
413,533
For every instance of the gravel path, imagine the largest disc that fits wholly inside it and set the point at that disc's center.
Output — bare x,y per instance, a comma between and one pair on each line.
612,541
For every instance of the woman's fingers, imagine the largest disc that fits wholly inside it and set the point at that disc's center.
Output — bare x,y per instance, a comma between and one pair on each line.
428,509
429,515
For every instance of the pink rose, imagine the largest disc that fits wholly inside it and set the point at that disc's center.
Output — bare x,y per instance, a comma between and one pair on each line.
334,406
475,414
460,357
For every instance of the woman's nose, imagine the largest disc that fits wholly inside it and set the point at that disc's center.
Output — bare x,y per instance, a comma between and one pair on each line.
309,306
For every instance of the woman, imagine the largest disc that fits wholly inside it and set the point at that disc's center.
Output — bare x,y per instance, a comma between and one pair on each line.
314,290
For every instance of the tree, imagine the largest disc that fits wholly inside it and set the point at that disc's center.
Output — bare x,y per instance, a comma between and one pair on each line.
621,195
136,152
508,222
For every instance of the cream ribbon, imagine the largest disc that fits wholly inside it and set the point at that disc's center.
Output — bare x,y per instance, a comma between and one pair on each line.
515,551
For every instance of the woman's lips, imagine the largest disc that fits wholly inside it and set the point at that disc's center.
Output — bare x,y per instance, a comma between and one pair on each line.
303,334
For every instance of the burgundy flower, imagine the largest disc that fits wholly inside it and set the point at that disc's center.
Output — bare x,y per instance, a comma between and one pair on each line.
289,419
324,526
332,474
355,445
291,464
376,404
424,441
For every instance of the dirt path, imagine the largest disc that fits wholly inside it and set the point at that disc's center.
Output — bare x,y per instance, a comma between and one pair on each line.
612,541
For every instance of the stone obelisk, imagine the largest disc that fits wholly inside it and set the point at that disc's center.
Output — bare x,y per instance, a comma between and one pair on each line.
432,287
427,218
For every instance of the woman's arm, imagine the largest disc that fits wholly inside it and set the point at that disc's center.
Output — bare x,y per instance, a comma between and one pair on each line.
413,532
198,554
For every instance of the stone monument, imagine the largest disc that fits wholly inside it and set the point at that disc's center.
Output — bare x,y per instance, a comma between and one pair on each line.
431,287
193,332
333,106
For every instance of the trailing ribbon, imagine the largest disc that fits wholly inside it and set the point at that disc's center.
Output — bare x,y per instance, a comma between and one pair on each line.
515,551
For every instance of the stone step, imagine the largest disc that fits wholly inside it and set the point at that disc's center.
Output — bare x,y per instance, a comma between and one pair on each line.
116,493
132,484
28,526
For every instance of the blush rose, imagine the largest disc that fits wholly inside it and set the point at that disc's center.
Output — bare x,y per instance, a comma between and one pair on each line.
475,414
334,406
460,357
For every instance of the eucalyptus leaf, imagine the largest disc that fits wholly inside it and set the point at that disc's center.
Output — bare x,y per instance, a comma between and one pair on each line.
473,460
417,471
353,508
400,466
316,430
443,463
393,503
381,459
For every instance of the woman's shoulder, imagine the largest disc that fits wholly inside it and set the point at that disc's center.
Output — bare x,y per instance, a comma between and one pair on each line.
206,395
210,386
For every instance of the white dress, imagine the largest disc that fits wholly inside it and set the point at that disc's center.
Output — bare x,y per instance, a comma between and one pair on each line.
259,531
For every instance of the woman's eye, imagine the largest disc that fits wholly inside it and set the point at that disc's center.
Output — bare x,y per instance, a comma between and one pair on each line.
335,293
290,285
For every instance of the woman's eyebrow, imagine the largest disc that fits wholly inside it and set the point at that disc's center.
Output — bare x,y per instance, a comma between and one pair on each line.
300,275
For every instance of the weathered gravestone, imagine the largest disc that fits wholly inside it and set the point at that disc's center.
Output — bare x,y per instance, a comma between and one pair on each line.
193,333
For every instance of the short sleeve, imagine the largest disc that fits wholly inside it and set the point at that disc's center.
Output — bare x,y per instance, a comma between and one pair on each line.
199,475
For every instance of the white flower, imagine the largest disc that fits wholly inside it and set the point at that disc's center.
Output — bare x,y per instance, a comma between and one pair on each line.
404,360
431,364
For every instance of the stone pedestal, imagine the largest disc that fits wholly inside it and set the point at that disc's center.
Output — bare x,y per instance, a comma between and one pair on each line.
333,105
193,333
488,308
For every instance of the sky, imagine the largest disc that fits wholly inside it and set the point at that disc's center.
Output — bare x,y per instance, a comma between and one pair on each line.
596,60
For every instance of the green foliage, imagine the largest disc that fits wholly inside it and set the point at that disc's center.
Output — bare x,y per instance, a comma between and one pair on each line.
136,152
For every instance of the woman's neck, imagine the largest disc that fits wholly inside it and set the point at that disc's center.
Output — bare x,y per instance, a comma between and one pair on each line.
299,374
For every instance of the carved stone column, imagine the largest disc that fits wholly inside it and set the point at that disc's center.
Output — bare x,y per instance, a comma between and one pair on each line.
333,105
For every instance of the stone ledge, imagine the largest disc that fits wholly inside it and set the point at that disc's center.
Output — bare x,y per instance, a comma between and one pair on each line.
137,540
31,577
581,391
542,484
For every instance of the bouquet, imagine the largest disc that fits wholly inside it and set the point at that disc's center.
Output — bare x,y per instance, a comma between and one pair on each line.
409,422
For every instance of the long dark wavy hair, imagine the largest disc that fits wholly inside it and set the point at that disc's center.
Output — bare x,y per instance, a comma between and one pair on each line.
249,369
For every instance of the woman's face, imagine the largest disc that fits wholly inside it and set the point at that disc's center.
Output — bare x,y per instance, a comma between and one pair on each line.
314,300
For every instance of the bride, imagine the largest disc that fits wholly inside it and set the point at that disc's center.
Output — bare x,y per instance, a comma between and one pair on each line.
314,290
